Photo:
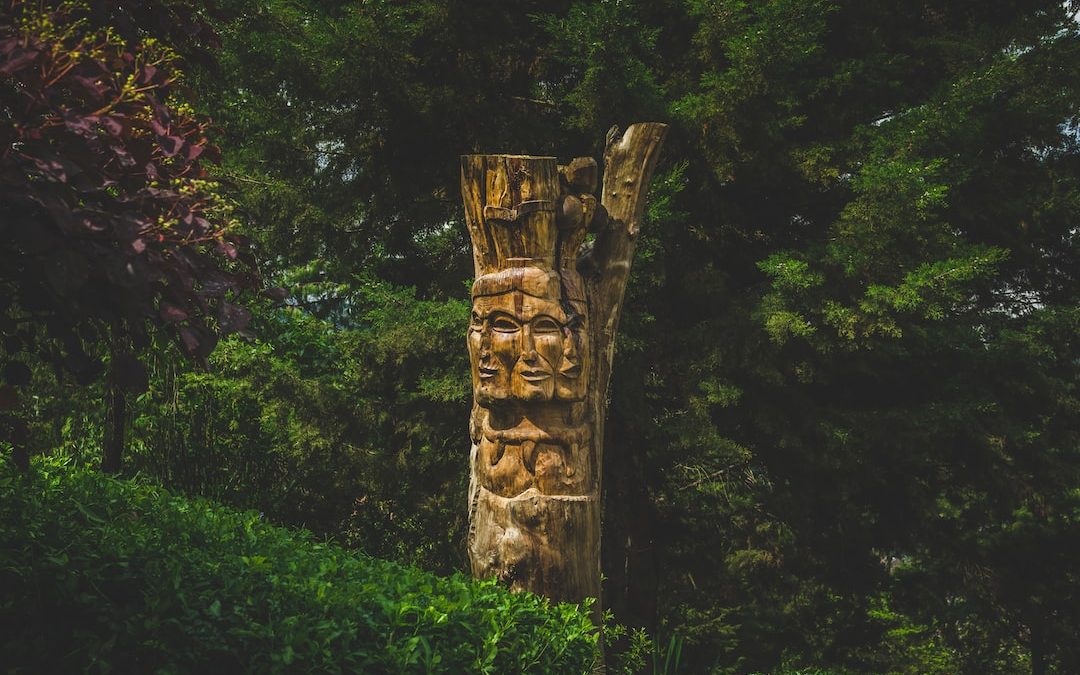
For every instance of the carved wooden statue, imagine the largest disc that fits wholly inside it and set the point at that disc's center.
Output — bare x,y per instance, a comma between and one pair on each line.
541,339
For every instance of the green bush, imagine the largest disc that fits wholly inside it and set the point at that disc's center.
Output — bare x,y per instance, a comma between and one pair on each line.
104,575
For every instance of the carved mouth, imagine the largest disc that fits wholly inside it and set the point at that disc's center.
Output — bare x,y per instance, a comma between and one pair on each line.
534,375
488,373
573,372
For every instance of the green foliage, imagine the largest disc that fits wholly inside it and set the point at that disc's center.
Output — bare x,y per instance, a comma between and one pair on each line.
101,575
343,123
628,651
602,74
843,426
353,432
882,200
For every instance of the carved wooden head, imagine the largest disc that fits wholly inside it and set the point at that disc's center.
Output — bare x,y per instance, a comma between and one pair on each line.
527,339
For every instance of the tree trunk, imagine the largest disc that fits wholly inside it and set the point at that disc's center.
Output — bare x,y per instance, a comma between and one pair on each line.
115,416
629,553
541,341
1038,649
20,457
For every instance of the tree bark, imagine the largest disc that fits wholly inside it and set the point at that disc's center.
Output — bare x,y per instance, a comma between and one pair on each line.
115,416
629,553
1037,645
541,341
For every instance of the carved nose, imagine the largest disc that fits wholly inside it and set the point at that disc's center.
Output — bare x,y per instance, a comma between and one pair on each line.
528,345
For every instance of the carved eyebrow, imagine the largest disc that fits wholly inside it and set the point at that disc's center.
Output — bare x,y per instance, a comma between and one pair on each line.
495,318
546,321
574,320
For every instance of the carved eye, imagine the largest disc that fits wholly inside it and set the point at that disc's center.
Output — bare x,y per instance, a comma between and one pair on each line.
545,325
502,323
477,322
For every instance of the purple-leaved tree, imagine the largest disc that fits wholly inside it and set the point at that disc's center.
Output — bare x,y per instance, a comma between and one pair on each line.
109,226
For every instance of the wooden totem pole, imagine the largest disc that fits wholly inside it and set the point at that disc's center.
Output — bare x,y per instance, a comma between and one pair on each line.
541,340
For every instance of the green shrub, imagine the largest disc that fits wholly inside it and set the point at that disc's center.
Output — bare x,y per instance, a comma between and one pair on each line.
104,575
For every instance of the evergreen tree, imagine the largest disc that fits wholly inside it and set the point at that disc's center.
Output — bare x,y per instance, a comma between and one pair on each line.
844,419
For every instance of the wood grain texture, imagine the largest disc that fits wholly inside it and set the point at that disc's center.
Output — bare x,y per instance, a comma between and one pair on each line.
541,343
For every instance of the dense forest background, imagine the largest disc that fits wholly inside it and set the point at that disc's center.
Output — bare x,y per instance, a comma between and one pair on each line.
844,427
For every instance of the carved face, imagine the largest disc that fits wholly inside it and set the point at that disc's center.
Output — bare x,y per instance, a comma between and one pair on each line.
515,346
572,378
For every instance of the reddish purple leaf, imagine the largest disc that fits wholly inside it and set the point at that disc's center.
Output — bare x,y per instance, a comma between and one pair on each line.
198,340
113,126
233,318
170,145
17,59
159,193
189,339
227,248
81,124
277,293
170,313
51,168
91,86
93,224
149,72
212,153
126,160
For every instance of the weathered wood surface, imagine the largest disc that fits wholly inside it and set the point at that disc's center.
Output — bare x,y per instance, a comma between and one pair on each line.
541,342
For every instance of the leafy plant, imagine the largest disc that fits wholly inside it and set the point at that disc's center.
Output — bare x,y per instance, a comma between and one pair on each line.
106,575
108,220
